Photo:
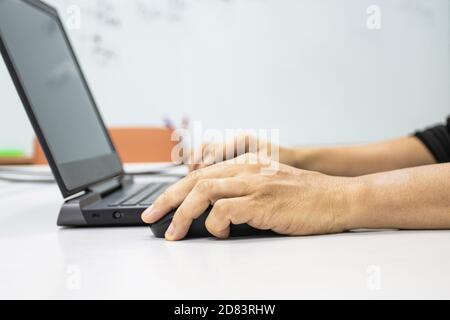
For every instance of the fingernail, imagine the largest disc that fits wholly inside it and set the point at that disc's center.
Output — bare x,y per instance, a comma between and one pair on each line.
147,215
170,232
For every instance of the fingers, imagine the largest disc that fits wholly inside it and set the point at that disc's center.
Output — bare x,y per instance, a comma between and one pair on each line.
208,155
212,153
175,195
195,158
226,212
205,193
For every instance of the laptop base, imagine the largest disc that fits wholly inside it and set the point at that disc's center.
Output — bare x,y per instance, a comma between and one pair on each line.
76,213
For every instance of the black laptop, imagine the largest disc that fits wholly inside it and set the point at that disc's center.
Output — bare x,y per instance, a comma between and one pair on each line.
66,120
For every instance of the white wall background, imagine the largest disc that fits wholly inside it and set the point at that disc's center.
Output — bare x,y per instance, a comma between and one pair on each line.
310,68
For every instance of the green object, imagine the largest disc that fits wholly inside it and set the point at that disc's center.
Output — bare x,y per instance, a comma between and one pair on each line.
11,153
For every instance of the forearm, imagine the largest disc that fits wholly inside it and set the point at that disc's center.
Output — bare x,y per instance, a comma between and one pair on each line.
416,198
365,159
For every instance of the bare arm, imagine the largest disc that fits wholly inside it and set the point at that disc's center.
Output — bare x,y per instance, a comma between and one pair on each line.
347,161
291,201
416,198
361,160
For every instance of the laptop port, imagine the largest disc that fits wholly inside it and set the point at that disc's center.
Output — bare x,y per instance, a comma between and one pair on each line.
117,215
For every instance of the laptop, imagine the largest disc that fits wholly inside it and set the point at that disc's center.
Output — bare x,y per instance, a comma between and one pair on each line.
66,120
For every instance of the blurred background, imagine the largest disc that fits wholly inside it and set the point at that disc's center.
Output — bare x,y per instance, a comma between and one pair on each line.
313,69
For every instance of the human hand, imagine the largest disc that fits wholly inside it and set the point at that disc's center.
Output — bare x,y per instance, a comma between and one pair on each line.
216,152
287,201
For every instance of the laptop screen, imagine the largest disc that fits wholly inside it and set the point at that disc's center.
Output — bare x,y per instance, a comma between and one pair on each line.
57,94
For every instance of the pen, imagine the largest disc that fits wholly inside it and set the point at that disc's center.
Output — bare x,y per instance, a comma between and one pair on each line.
169,123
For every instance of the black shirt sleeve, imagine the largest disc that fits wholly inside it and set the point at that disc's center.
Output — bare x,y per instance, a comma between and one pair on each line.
437,140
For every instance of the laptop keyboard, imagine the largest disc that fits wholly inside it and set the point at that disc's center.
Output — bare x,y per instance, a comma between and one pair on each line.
144,196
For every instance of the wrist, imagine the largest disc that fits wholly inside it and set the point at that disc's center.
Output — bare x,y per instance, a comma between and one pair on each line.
357,199
287,156
305,158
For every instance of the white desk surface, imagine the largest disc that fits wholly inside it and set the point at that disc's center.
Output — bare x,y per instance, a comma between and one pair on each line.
40,260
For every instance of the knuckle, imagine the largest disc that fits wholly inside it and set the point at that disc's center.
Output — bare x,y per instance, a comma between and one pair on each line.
215,229
221,208
182,214
193,176
203,186
266,193
164,198
211,226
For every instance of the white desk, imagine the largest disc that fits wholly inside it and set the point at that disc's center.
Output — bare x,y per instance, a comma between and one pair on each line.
39,260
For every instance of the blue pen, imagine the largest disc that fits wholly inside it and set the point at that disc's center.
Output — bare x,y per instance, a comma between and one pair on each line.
169,123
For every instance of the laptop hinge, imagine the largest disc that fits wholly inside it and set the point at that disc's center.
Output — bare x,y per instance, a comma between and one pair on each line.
106,187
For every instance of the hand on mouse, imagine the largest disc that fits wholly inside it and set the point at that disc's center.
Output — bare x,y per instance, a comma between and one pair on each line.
212,153
285,200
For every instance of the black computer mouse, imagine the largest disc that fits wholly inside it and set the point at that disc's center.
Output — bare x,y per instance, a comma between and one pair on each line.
198,228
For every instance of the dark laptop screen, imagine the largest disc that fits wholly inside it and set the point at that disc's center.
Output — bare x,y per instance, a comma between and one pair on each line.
55,90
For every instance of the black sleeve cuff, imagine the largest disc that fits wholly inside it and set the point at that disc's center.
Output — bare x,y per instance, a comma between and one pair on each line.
437,140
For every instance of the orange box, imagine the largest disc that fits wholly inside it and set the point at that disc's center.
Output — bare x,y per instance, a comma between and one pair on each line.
134,145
